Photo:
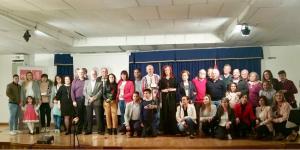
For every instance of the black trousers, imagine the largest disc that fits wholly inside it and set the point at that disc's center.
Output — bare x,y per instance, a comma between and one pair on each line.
45,110
262,131
280,128
243,130
198,107
222,132
135,126
208,128
99,118
80,112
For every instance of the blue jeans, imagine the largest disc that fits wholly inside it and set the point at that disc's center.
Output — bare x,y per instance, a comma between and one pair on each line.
14,115
57,121
216,102
122,110
191,126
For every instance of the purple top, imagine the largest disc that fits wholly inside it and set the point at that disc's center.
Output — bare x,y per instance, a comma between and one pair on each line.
254,93
77,89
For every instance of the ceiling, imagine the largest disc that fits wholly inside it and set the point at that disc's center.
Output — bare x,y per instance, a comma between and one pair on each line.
88,26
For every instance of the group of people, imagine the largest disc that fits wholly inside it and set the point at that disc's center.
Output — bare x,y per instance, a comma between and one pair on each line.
223,106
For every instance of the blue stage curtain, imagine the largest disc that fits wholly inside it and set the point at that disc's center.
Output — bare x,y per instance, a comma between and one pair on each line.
64,63
194,60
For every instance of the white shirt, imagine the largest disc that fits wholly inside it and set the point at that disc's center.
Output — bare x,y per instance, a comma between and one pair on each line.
224,119
29,90
151,81
93,82
122,86
186,88
135,111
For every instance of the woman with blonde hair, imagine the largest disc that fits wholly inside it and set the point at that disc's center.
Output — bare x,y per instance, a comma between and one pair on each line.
208,111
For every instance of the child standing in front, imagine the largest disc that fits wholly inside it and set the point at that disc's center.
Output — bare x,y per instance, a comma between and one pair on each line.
56,115
30,114
148,113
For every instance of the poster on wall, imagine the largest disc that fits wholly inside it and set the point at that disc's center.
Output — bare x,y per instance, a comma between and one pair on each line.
36,72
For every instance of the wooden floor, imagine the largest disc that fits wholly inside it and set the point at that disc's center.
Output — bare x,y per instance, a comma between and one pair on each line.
61,141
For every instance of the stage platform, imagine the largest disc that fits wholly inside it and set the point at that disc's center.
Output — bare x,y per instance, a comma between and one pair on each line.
95,141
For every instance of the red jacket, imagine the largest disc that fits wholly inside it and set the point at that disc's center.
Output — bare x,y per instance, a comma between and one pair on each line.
128,91
247,116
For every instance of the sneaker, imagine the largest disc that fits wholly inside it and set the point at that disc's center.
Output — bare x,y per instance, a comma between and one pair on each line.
12,133
17,131
229,137
292,137
43,130
56,131
47,129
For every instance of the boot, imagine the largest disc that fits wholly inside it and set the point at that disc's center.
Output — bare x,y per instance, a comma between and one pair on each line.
115,131
109,131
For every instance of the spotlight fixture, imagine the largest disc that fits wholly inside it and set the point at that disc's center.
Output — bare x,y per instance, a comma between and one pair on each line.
26,36
245,29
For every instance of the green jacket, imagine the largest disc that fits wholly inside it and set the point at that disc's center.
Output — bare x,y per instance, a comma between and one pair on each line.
13,92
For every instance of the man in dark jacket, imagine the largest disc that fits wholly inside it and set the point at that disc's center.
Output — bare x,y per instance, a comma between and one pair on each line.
13,92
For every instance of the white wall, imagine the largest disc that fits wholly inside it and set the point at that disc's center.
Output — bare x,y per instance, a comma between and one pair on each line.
47,62
6,77
115,62
283,58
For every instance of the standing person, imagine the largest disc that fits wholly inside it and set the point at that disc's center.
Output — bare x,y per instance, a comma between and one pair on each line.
58,82
103,79
268,76
242,85
92,92
226,77
233,94
216,88
167,86
13,91
267,91
29,87
208,111
264,126
244,117
224,120
138,81
67,109
78,99
85,73
245,75
288,88
186,117
148,114
254,86
30,114
200,85
150,81
125,92
45,110
186,87
110,104
132,115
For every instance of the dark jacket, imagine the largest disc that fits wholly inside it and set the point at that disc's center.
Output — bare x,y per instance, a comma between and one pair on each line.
110,91
13,92
216,89
181,91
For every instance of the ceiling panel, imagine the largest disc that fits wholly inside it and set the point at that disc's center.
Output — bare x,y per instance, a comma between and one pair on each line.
143,13
205,10
50,4
154,2
173,12
232,9
20,5
100,4
183,2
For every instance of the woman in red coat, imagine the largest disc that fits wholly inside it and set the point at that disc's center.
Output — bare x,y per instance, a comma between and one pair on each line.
244,116
125,92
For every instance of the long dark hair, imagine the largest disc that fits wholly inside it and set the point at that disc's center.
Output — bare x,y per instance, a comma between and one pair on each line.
62,80
270,74
33,100
220,110
163,71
